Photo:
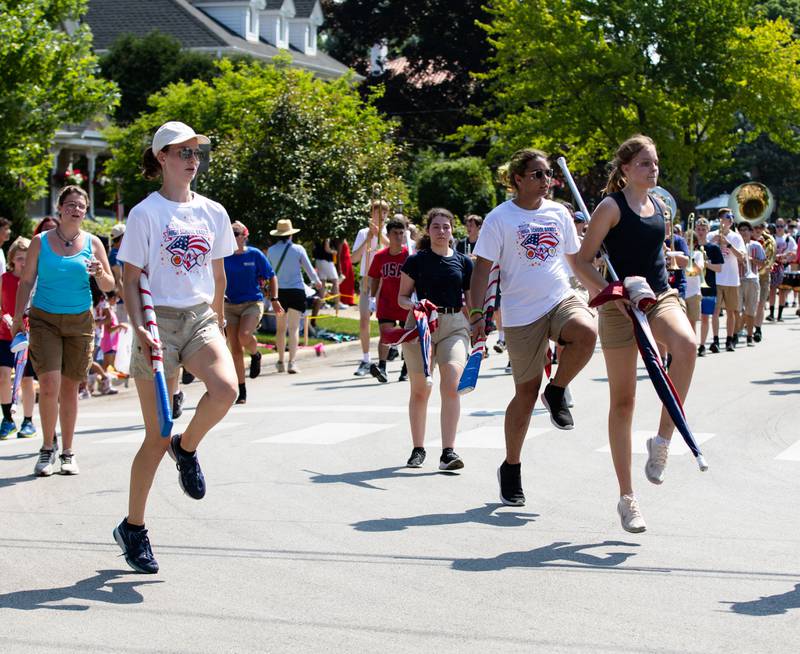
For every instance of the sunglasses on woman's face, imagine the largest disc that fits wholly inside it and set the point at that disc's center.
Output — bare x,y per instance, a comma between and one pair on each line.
238,234
540,174
187,153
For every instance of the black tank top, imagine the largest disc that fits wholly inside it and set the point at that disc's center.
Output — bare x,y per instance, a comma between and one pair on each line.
636,245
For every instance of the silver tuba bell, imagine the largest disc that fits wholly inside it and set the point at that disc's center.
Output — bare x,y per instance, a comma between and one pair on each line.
751,202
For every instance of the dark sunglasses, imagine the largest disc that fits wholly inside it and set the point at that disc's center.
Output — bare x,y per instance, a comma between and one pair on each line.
188,153
540,174
238,233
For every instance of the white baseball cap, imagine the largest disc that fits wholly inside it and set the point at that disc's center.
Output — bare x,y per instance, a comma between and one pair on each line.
175,132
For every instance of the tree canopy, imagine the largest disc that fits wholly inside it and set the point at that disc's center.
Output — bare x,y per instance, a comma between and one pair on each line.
285,145
580,76
463,186
48,81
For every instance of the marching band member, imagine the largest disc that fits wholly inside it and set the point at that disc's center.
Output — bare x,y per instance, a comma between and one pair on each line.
534,242
785,252
762,235
630,223
180,239
755,259
436,272
728,280
713,264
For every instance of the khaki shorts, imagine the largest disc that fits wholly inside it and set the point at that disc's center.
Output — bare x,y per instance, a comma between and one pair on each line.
748,296
61,341
449,343
235,312
616,328
728,297
763,291
182,332
693,308
527,344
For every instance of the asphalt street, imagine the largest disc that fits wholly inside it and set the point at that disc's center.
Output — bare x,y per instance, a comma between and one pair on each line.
313,537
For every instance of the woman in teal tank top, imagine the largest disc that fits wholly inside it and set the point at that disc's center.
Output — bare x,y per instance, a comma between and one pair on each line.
60,262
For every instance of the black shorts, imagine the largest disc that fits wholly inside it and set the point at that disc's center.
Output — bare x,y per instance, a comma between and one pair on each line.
7,359
292,298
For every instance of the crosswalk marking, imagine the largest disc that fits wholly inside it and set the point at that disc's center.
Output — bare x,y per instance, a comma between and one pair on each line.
490,438
137,435
676,448
326,433
790,454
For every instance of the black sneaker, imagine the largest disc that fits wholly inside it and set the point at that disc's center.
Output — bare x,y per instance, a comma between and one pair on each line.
735,340
403,374
135,547
190,475
714,349
701,351
393,353
729,345
500,347
363,369
255,365
757,335
450,460
186,377
750,342
379,373
553,399
510,480
177,405
417,458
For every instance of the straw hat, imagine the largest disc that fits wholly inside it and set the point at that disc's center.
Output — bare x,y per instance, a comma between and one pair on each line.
284,229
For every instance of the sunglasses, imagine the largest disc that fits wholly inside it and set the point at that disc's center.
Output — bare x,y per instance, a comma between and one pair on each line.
539,174
237,234
187,153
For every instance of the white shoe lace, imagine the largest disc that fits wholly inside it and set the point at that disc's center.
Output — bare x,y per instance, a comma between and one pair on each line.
660,454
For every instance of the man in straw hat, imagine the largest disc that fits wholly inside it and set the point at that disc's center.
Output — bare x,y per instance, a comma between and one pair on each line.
289,260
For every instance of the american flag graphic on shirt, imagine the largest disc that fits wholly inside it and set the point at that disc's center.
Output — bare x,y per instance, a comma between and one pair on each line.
188,251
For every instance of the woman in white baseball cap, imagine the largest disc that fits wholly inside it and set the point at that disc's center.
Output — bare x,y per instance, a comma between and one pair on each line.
179,238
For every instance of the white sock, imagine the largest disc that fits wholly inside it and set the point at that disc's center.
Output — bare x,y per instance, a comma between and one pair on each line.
501,335
662,441
365,357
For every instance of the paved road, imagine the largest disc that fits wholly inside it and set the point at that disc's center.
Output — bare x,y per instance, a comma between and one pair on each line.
314,538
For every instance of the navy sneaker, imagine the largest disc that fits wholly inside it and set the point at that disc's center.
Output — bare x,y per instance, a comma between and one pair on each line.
135,546
190,476
255,365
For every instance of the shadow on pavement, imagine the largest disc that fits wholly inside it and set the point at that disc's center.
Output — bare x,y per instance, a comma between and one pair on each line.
776,380
361,478
93,589
484,515
20,457
769,605
5,482
542,556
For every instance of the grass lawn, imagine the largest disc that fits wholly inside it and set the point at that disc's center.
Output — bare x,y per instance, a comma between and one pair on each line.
339,325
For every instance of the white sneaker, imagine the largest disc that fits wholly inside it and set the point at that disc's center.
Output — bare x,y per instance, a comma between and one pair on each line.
656,461
630,515
293,369
69,464
279,367
45,463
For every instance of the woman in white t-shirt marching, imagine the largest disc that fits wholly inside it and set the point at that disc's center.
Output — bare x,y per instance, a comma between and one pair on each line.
180,239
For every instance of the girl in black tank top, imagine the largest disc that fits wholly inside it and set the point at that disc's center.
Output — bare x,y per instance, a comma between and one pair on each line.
635,244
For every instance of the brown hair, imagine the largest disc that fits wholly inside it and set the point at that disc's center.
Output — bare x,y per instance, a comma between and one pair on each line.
474,218
20,243
151,167
40,227
519,162
624,155
424,242
65,192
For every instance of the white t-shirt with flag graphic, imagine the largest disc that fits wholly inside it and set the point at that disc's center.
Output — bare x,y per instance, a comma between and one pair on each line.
175,243
529,246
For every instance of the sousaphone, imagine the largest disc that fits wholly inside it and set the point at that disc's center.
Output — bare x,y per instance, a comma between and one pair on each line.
752,202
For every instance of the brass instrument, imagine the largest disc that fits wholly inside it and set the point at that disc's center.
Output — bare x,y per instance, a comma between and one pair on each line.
704,284
691,269
752,202
673,262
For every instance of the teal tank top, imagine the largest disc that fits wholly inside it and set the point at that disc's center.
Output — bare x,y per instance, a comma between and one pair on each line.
62,284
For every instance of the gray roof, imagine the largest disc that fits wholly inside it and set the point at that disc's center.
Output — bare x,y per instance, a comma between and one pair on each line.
110,19
304,7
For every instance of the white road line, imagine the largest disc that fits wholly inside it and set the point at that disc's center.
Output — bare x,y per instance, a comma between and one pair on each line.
676,448
136,435
490,438
326,433
790,454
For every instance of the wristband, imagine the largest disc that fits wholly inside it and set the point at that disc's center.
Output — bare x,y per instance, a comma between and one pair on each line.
274,299
472,312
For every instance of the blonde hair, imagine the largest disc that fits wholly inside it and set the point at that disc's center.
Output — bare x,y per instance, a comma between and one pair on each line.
624,155
20,244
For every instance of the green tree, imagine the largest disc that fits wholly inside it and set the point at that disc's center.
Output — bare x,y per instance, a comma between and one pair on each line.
142,66
47,81
580,76
285,145
463,186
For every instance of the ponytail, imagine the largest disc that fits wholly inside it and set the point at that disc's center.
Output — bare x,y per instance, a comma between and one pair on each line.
624,155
